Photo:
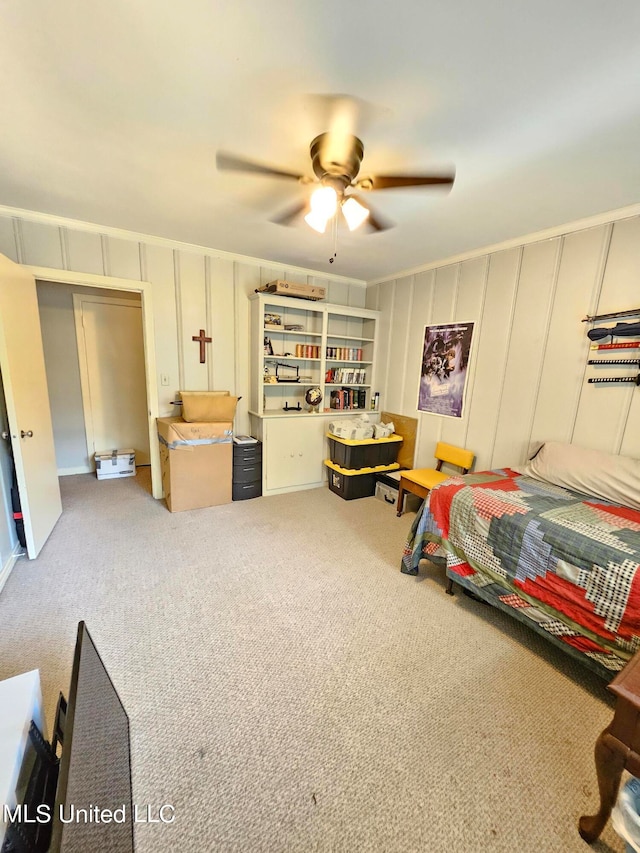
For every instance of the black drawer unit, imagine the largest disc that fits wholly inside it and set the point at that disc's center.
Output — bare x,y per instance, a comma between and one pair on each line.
247,471
244,491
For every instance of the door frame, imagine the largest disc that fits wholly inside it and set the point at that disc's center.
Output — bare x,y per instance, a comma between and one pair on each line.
78,300
144,288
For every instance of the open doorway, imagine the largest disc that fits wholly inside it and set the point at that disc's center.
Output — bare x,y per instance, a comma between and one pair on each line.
94,357
112,377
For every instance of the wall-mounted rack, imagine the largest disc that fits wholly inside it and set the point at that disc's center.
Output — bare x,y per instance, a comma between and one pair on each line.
634,312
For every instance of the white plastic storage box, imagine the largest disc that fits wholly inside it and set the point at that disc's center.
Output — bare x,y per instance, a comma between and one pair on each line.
115,463
387,486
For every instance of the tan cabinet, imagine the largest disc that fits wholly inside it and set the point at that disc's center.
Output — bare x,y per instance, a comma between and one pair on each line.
293,452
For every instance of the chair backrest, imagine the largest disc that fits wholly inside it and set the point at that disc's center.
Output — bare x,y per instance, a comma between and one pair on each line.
457,456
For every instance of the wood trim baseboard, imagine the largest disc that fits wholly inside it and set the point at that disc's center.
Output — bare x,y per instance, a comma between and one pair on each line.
6,570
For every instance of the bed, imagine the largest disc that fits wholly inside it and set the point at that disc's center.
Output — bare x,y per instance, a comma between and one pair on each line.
558,555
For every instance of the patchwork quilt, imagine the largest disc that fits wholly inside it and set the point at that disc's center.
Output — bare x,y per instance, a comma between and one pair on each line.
568,562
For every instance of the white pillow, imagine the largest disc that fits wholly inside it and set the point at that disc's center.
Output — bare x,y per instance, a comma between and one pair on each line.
592,472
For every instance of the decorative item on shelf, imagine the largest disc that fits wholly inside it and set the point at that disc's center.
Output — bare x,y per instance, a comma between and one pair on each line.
289,288
268,349
272,321
287,372
294,327
313,399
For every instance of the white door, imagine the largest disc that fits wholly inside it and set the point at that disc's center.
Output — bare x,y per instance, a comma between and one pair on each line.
27,399
112,374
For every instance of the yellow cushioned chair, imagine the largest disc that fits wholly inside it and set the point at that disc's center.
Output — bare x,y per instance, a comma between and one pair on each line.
420,481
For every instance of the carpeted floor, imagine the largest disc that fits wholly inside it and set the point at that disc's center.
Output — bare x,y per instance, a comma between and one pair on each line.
290,690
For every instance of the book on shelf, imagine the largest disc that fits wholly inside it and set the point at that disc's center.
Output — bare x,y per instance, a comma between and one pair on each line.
347,399
344,353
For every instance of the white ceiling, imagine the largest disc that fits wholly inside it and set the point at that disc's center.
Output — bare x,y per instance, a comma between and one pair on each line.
112,113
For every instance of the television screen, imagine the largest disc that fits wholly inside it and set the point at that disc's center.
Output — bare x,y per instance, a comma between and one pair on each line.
93,808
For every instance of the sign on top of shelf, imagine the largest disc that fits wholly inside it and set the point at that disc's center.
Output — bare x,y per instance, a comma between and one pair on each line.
290,288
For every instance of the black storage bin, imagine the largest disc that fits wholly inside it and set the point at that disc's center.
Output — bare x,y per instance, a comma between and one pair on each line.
368,453
351,486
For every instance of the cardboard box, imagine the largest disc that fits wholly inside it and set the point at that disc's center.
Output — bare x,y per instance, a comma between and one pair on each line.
196,460
290,288
114,464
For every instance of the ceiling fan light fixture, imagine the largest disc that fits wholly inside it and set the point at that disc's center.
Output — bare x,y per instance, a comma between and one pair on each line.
355,213
324,202
316,221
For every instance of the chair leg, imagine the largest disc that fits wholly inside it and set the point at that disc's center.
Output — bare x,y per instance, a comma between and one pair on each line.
449,589
400,503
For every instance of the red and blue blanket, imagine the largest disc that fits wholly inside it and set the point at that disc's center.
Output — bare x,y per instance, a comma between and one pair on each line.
567,562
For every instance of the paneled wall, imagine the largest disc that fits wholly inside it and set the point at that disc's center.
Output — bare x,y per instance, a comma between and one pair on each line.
192,289
528,367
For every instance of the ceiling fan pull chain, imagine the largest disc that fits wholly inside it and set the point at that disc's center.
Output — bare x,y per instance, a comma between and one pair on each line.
335,239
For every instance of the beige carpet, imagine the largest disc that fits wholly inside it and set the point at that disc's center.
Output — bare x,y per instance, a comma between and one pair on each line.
290,690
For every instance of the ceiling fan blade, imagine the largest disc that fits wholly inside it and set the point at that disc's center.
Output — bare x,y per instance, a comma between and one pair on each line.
374,220
387,182
291,213
231,163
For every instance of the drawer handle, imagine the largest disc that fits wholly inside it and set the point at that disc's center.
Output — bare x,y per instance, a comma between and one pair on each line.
389,499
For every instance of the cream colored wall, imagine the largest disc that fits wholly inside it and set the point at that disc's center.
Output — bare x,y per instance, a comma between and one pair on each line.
192,288
528,367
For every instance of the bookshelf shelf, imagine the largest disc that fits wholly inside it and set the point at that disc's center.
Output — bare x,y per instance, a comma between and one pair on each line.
350,338
275,331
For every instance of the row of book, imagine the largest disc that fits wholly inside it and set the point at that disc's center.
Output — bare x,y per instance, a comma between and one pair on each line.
346,375
345,353
307,351
348,398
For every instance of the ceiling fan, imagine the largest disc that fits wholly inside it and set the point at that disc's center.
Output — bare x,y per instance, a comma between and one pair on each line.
335,160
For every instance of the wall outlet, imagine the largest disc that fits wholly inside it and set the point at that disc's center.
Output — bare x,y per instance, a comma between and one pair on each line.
164,378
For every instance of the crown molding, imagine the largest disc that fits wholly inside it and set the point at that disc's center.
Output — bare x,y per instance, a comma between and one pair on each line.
152,240
546,234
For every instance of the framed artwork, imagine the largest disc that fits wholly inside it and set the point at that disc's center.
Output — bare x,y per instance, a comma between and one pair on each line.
445,368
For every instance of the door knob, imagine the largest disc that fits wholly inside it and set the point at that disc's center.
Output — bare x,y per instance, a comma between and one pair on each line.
27,434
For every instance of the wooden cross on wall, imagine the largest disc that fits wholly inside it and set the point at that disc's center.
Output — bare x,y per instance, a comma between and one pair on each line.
202,340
